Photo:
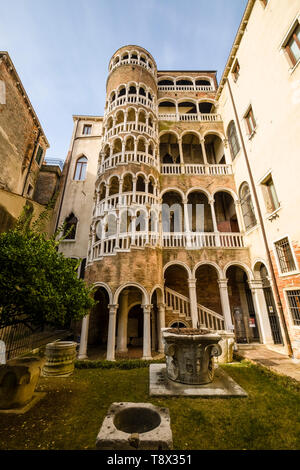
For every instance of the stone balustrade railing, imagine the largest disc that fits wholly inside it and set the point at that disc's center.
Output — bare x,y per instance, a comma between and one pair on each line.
130,99
211,117
127,127
195,169
205,88
187,240
131,61
180,306
122,200
125,158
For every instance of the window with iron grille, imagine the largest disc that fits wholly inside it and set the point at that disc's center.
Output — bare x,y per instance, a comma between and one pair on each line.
285,256
293,297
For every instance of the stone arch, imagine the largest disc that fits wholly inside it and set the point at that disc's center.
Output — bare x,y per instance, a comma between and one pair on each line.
211,263
199,189
225,190
180,263
145,298
172,189
241,265
107,288
214,132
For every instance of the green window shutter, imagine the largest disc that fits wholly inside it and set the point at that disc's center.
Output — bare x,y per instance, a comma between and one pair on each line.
39,155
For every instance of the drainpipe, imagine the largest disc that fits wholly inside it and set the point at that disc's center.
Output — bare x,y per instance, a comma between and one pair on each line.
273,277
31,160
67,174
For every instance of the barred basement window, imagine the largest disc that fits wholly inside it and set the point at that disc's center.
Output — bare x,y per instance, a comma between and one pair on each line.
285,256
293,297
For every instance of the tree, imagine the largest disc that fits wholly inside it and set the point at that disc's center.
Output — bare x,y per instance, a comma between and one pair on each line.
38,284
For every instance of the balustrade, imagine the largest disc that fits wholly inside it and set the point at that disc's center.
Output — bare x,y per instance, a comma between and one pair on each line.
130,61
125,158
130,99
195,169
186,240
211,117
129,127
206,88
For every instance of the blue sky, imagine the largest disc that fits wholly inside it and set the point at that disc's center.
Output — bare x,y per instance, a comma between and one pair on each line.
61,48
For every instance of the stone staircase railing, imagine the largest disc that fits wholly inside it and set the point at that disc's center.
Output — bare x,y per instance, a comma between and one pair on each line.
180,305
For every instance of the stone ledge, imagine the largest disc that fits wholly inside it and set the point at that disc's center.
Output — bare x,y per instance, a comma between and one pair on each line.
37,396
223,386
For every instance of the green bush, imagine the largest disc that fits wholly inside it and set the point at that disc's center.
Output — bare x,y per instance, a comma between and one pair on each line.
121,364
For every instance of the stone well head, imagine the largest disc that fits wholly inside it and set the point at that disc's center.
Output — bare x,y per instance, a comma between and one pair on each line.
189,354
129,426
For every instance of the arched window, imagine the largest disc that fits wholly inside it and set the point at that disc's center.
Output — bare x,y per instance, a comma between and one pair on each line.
80,169
233,140
70,227
247,206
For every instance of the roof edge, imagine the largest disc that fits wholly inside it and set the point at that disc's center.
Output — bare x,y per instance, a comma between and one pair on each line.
5,54
236,43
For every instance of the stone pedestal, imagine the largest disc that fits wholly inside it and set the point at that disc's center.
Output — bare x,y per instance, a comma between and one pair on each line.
60,359
189,355
227,343
18,379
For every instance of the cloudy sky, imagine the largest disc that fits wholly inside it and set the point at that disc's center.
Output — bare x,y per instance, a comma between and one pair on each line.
61,48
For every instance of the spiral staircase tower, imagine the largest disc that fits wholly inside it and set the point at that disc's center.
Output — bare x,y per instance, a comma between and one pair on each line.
124,243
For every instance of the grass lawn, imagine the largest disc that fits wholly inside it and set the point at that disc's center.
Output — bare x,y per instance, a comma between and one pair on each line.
71,414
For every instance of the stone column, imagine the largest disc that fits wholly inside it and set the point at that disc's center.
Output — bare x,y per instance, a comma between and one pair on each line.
134,189
123,151
84,337
204,151
161,324
133,229
147,333
239,216
111,337
118,231
154,328
225,304
122,323
214,220
193,301
261,311
180,151
187,228
245,310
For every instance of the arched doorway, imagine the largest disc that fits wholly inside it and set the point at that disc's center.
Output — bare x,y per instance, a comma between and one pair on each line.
98,321
133,326
177,294
242,306
261,272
